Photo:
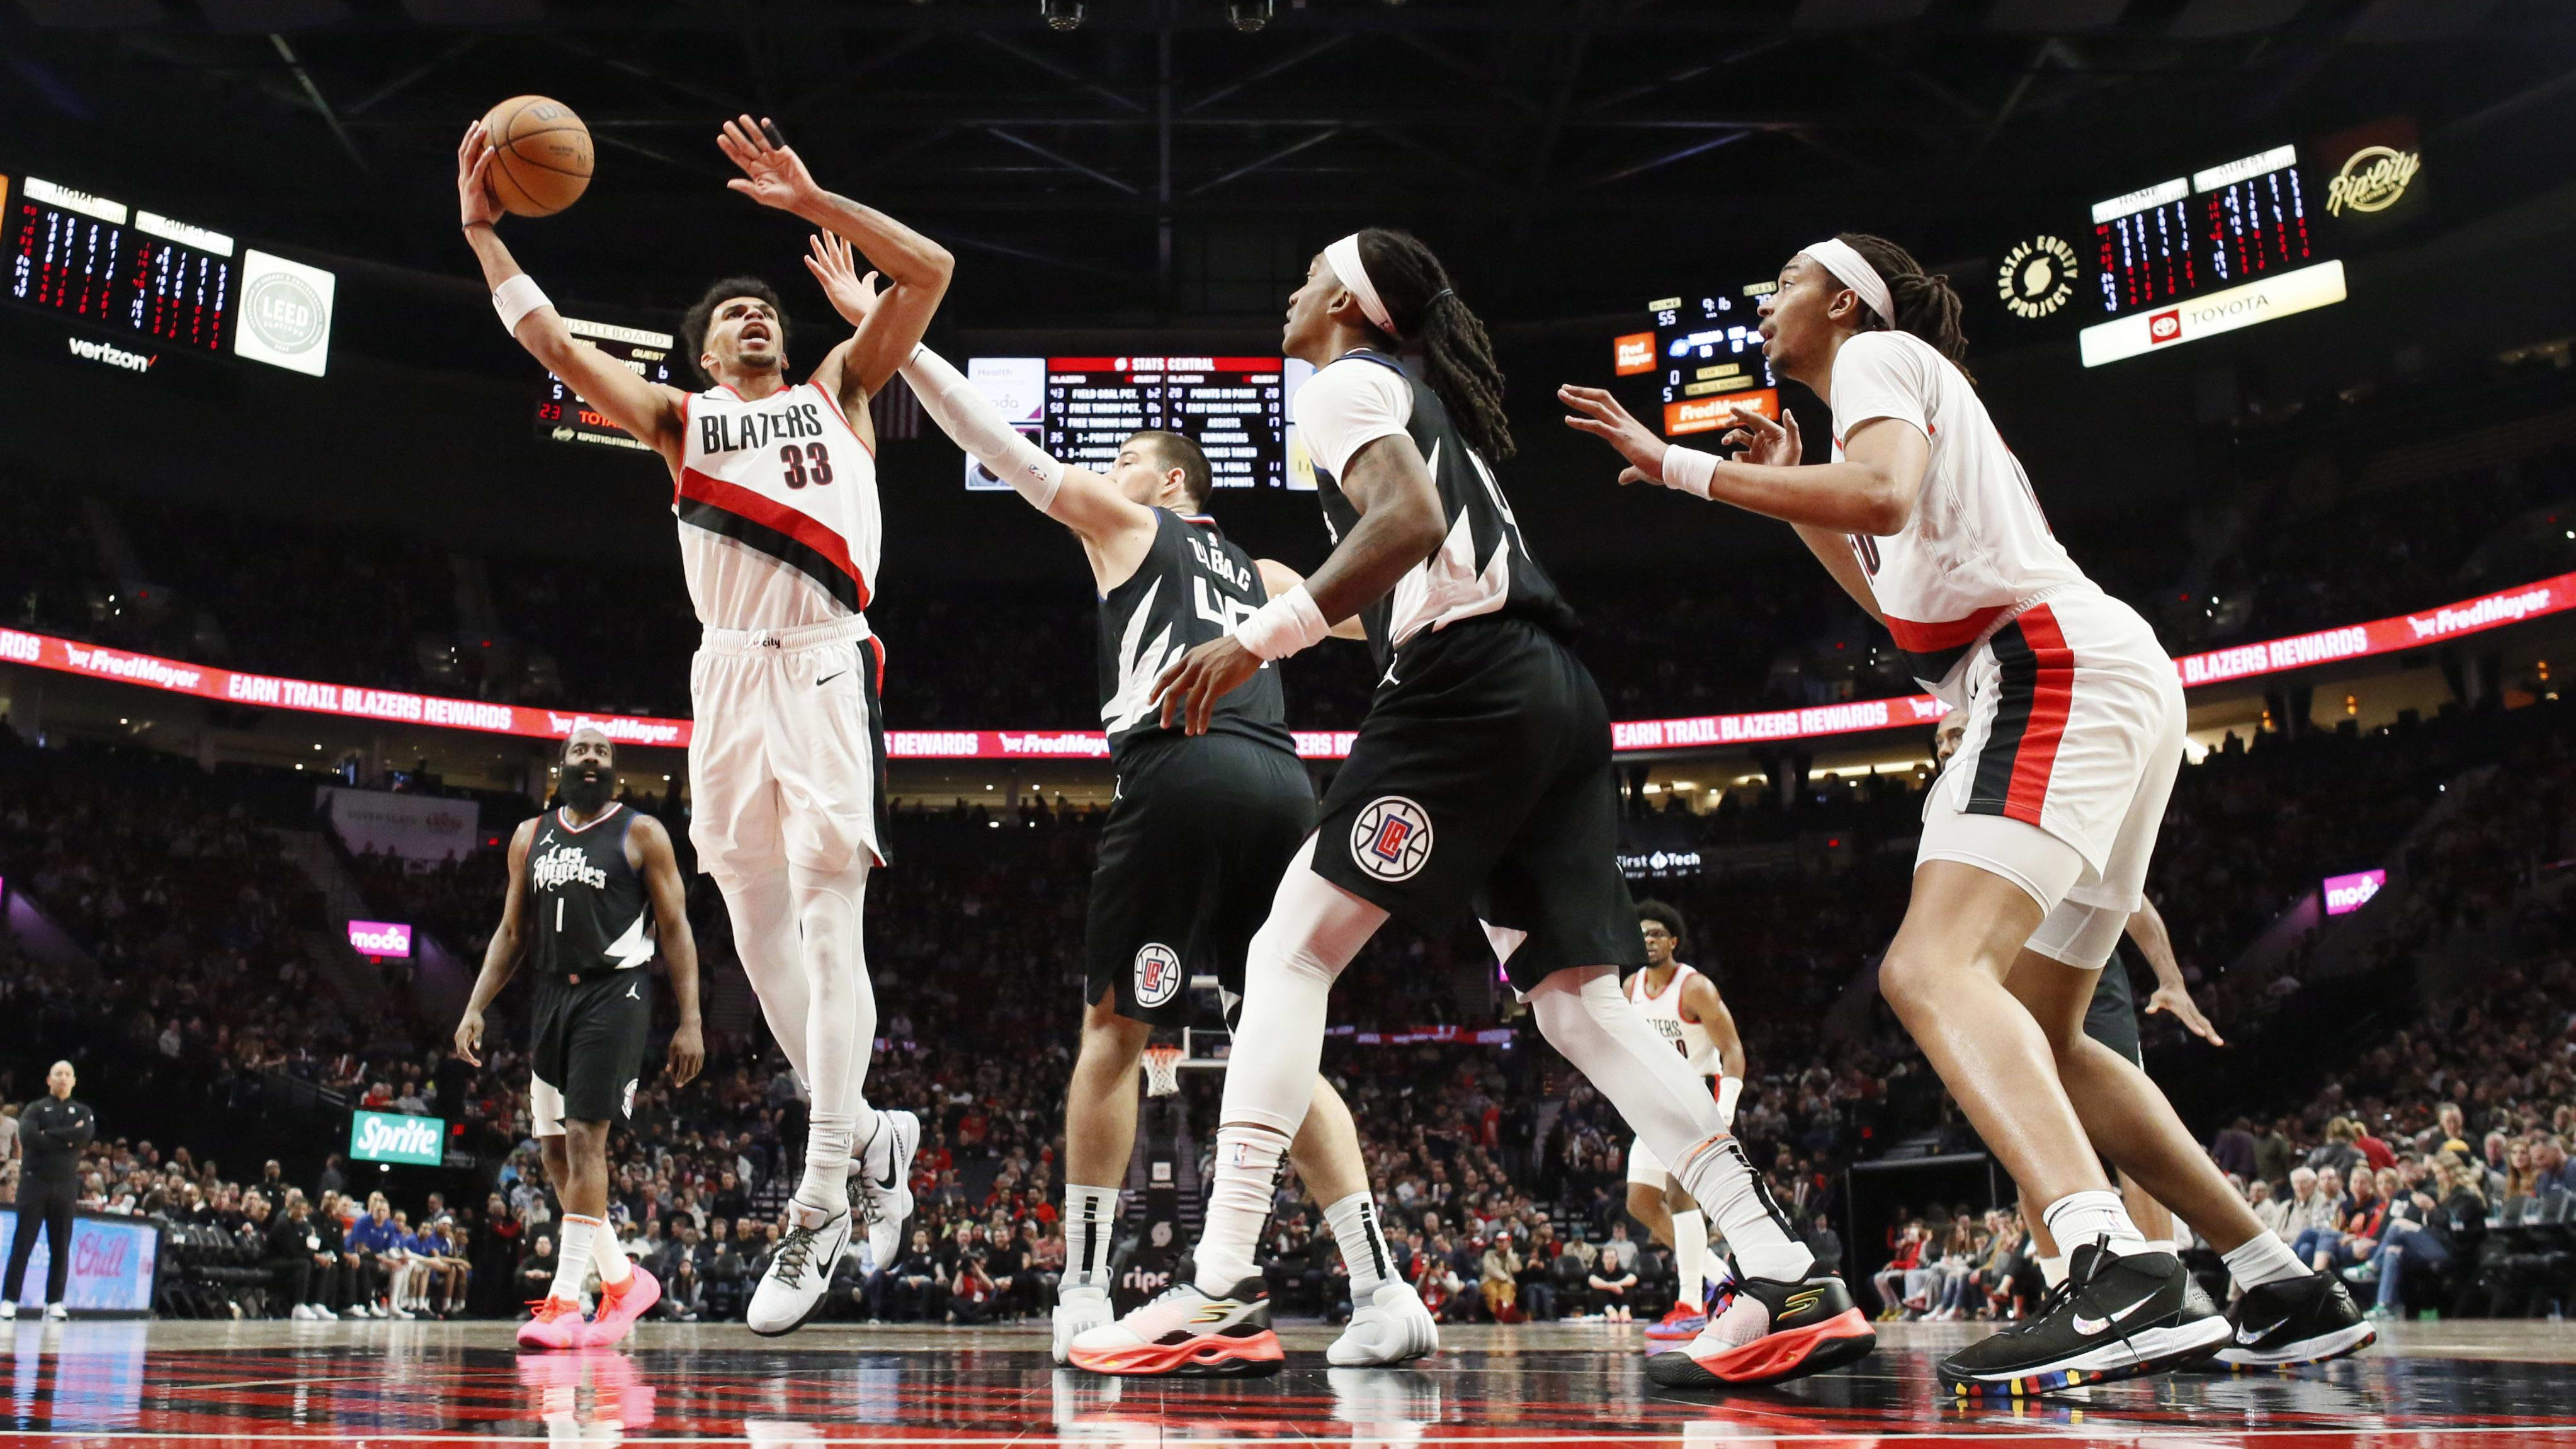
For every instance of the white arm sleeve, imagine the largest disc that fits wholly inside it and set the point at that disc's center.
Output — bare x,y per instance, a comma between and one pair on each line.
972,421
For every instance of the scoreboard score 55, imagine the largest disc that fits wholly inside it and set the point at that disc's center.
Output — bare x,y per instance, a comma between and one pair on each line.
1704,358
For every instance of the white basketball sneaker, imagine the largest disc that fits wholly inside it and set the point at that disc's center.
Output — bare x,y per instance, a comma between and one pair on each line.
884,1198
1079,1310
792,1291
1391,1327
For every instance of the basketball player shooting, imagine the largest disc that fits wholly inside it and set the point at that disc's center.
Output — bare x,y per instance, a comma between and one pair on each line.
1682,1004
1202,829
776,497
1480,780
2037,835
594,889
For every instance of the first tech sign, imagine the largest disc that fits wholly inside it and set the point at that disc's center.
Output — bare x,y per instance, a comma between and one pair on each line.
385,1137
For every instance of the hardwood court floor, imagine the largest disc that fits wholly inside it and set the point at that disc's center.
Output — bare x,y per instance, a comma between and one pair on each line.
392,1384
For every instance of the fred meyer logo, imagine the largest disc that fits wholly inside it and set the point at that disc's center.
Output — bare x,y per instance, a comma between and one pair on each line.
1634,353
384,1137
2221,311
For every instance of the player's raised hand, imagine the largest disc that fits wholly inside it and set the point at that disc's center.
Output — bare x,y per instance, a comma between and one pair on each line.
828,257
1198,679
1598,413
1771,444
475,204
772,173
2183,1009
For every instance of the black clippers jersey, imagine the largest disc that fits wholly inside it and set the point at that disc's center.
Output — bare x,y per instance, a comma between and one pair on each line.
586,906
1192,587
1483,568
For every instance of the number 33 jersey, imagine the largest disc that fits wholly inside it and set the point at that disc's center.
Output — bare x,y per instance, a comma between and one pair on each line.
777,502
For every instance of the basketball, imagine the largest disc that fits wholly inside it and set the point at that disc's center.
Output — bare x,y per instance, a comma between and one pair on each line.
545,157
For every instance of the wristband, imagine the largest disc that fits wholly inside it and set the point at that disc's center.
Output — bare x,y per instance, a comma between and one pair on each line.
1729,1089
1688,470
1283,626
515,299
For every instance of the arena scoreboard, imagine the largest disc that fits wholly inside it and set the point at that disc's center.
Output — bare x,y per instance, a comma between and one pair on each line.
1081,408
148,281
1703,358
563,417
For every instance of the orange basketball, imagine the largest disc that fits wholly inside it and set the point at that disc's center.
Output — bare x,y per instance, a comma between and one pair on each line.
545,156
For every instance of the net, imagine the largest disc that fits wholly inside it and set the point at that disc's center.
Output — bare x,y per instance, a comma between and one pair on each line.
1162,1070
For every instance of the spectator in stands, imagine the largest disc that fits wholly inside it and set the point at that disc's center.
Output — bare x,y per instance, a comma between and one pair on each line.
1614,1274
297,1261
537,1271
2453,1218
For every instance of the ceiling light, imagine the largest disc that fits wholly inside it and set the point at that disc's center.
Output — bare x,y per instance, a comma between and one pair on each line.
1248,15
1062,14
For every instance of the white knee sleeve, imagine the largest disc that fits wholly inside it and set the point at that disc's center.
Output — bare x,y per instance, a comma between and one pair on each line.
841,1022
763,911
1314,929
1583,1014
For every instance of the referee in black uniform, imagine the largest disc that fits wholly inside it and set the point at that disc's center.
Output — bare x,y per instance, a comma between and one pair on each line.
51,1133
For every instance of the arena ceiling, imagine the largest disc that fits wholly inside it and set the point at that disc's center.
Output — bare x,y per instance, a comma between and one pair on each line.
1163,161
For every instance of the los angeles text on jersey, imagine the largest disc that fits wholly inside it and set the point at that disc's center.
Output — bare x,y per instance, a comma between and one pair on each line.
729,432
564,865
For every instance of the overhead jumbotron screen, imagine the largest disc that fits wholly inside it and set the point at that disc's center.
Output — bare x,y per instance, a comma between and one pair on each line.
1703,358
563,417
2193,256
146,279
1081,408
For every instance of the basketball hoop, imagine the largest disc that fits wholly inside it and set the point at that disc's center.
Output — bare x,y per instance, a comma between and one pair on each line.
1162,1070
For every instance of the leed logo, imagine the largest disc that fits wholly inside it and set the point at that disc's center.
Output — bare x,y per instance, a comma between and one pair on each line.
386,1137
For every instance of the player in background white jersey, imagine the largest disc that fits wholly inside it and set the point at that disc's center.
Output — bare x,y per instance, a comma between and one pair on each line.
775,489
2036,837
1681,1002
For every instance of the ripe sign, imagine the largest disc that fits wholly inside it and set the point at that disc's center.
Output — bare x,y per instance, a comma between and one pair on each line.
386,1137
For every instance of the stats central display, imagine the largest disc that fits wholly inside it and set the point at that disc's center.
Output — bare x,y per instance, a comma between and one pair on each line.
1081,408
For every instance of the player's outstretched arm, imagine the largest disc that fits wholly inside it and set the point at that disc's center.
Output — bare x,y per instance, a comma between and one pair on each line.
670,895
1872,490
501,956
916,268
1701,1003
648,410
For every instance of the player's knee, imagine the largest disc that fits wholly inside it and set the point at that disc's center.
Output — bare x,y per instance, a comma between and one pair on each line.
1910,981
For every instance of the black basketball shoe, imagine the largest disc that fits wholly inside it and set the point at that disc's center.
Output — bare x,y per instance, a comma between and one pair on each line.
2302,1320
2117,1316
1808,1327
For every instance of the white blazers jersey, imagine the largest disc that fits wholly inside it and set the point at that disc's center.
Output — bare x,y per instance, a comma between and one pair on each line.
1977,548
1664,1009
777,502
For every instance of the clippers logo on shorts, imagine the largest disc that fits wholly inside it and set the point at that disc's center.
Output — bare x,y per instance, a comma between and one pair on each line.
1158,974
1391,840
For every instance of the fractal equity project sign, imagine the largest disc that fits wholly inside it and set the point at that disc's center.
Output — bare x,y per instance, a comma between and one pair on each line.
387,1137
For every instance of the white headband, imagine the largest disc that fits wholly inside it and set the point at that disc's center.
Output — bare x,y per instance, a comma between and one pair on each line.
1344,258
1855,272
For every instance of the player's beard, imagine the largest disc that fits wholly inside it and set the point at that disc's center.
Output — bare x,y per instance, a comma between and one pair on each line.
586,788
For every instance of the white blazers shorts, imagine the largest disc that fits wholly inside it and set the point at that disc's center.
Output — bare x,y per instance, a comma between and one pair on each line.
2074,734
787,752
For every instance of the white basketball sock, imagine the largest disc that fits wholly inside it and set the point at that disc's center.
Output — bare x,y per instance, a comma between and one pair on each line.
609,1256
1364,1252
1090,1217
1690,1258
1584,1015
2097,1216
572,1257
2052,1270
1247,1172
2262,1259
